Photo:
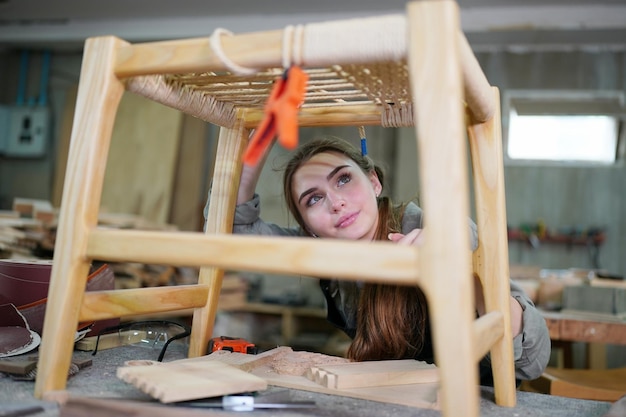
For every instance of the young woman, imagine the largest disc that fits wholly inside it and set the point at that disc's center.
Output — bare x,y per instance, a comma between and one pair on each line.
333,191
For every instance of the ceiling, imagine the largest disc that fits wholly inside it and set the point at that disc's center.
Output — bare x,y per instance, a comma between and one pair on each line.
487,23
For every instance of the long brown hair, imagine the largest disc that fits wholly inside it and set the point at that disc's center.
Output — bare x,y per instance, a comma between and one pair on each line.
391,319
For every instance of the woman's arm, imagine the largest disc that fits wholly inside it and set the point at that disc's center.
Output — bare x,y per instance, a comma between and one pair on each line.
531,346
517,319
249,179
247,218
531,340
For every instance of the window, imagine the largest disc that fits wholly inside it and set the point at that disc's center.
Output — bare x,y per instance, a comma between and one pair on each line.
563,127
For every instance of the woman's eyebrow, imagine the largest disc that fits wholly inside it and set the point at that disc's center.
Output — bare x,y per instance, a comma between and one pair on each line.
334,171
304,194
328,177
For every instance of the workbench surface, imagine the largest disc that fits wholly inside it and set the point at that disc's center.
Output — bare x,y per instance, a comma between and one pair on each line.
99,381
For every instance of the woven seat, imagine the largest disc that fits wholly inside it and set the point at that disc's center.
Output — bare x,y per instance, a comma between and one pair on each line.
416,70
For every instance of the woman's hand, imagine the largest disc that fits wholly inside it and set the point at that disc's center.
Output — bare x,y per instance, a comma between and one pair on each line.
414,237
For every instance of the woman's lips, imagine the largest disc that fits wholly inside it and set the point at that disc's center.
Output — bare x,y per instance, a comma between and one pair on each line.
347,220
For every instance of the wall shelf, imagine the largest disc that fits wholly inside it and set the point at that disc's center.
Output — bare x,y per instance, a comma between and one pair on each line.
596,238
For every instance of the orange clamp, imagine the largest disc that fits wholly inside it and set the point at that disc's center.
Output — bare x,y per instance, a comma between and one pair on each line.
281,115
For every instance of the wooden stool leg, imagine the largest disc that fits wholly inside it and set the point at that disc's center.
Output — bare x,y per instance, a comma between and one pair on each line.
98,97
452,325
230,148
445,257
491,258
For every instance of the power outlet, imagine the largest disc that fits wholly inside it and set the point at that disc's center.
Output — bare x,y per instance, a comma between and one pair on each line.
28,132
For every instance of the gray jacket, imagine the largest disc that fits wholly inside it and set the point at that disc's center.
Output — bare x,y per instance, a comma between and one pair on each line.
531,346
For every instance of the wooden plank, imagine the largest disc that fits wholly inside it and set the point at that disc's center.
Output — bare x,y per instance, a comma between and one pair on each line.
17,367
34,208
24,206
255,50
9,214
488,329
100,305
412,395
368,261
94,407
19,222
377,374
605,282
183,381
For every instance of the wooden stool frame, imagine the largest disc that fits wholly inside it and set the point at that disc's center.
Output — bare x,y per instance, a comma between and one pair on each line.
443,76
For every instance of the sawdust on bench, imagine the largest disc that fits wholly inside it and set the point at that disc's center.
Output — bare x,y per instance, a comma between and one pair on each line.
297,363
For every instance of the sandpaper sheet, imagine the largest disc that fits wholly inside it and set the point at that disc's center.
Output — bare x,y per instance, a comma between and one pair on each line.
15,335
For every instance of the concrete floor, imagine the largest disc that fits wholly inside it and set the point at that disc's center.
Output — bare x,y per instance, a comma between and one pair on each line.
100,381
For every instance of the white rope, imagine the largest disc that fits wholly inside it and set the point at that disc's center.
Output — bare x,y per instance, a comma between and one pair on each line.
288,43
352,41
216,46
292,45
397,115
297,43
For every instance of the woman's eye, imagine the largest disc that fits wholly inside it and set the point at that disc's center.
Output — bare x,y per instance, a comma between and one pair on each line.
313,199
343,179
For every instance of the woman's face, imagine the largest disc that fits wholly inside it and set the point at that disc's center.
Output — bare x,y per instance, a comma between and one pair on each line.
336,198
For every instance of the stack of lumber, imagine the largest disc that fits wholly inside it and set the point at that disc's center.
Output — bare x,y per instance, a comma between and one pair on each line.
28,232
41,210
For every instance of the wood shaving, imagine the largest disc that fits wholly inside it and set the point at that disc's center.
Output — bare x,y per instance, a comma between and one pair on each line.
297,363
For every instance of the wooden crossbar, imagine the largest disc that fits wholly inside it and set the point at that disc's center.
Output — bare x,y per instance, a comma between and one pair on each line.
281,255
101,305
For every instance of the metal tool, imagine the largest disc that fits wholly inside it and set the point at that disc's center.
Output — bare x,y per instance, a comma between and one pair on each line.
21,410
250,402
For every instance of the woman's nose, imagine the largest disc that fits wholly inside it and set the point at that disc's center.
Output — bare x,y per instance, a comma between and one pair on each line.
336,202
